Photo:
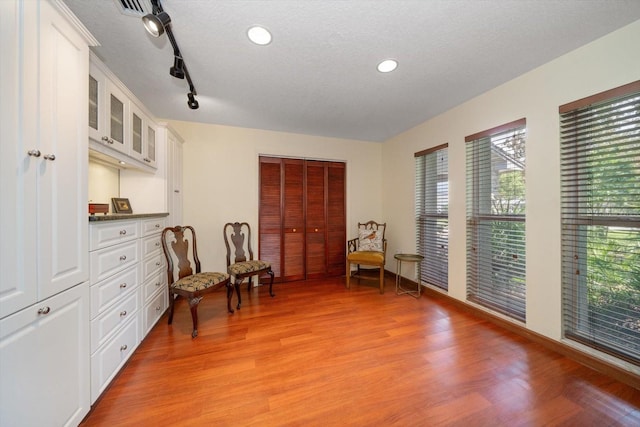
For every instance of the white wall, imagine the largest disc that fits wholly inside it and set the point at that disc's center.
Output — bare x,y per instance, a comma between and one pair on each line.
221,178
606,63
104,183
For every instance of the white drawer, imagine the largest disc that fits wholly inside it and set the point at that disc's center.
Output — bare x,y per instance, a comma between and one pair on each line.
110,233
151,266
105,325
151,246
154,284
108,261
154,310
153,225
108,291
106,362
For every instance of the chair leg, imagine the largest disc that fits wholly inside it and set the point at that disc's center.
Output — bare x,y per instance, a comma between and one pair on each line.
348,274
382,279
229,296
237,286
271,282
172,299
193,304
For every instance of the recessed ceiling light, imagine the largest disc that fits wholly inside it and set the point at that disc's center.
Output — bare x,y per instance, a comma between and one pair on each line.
259,35
387,66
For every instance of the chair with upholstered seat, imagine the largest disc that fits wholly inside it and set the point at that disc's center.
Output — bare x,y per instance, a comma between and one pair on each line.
183,282
369,249
241,265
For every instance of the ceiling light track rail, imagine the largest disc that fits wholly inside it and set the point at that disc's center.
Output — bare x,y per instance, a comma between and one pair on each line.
157,23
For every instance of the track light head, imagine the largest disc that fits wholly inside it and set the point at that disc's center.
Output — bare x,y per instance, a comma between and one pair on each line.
155,24
177,70
192,102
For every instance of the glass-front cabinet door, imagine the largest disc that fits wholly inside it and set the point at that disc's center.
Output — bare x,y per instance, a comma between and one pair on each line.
151,145
138,124
97,81
118,111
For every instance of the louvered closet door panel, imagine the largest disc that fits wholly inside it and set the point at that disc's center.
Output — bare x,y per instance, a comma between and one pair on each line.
293,220
336,219
316,219
270,222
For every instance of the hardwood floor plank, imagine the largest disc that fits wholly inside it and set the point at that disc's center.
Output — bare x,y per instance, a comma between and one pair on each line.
321,355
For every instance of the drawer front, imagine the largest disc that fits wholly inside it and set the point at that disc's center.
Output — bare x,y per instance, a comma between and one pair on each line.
152,246
107,324
106,362
154,310
111,233
154,284
153,225
105,293
108,261
152,265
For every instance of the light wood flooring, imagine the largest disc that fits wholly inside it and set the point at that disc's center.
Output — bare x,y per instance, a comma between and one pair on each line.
318,354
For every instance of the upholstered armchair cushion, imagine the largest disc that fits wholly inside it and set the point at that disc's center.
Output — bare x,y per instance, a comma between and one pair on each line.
247,267
199,281
369,240
366,257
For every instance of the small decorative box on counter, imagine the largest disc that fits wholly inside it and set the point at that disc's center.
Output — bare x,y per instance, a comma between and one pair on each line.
95,208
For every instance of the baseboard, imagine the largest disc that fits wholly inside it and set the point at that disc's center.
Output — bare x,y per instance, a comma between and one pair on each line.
593,362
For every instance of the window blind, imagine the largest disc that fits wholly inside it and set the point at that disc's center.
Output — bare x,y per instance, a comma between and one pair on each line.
432,214
600,160
496,218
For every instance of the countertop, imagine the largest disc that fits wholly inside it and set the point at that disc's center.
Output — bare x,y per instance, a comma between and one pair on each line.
118,217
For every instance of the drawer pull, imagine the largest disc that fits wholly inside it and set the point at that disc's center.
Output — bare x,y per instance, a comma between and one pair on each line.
157,284
123,232
123,285
123,313
123,257
157,225
158,263
158,308
157,244
44,310
123,348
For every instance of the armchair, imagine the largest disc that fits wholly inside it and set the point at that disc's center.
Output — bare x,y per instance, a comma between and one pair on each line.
369,248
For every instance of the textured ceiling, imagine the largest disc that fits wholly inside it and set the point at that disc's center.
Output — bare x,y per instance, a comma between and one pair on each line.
318,76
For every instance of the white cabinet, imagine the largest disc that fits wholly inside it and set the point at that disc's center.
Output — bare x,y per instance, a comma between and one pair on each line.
44,296
44,362
43,160
119,128
143,137
127,275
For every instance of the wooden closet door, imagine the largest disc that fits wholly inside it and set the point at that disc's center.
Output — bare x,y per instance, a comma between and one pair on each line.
316,219
293,232
270,214
336,219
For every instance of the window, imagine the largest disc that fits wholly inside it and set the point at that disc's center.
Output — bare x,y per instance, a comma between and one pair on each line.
600,154
432,214
496,218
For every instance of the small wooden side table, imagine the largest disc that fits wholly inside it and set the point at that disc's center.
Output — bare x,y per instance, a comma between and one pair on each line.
400,258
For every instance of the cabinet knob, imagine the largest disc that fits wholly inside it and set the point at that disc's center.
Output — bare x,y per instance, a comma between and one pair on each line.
176,191
123,348
51,157
105,138
157,244
157,225
158,264
158,308
123,257
123,313
294,230
34,153
123,232
316,230
157,284
123,285
44,310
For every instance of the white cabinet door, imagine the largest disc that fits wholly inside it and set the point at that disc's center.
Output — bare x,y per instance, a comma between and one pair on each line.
174,179
150,146
63,259
117,115
44,362
18,136
97,105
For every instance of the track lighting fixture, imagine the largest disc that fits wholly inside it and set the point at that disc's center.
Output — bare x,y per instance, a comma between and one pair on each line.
192,102
157,23
177,70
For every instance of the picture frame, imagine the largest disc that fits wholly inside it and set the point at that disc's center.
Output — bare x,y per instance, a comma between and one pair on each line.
121,205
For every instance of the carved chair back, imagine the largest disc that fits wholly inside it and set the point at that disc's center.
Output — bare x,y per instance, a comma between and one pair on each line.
237,239
180,248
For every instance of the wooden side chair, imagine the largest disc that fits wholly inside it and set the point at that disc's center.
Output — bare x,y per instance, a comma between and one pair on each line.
240,262
369,248
183,282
